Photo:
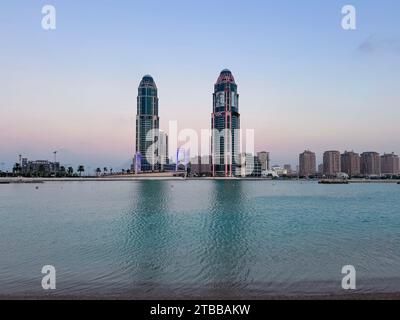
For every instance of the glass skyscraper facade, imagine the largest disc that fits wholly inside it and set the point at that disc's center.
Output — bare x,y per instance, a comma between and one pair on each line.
225,122
147,125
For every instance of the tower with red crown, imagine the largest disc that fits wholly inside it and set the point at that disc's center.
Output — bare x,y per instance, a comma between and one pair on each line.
225,125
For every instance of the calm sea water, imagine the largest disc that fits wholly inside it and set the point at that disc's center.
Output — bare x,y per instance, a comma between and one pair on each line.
149,239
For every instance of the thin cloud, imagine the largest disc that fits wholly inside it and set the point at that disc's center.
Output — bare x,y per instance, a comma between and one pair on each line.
373,44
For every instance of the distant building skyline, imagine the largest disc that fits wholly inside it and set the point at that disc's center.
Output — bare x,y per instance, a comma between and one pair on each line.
350,163
390,164
39,167
163,149
307,163
331,162
370,163
264,158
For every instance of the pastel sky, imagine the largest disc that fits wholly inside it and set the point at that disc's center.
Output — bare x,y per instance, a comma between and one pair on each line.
304,82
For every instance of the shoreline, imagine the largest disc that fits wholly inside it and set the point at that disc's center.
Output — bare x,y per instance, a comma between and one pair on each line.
129,178
257,297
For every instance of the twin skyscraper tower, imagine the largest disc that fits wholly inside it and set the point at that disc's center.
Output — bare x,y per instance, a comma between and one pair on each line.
225,124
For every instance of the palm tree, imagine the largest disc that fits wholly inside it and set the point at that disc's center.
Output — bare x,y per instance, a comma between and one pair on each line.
31,172
105,170
62,171
98,171
111,171
42,170
81,169
70,171
17,168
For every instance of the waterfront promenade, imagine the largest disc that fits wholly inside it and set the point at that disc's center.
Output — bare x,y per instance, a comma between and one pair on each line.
169,176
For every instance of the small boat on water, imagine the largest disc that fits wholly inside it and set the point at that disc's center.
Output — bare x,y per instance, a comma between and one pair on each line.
334,181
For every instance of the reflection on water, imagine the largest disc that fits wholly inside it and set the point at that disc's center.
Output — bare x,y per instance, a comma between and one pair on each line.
228,228
146,230
196,238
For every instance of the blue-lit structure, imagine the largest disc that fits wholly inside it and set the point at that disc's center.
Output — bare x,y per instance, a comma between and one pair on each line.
182,158
138,162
